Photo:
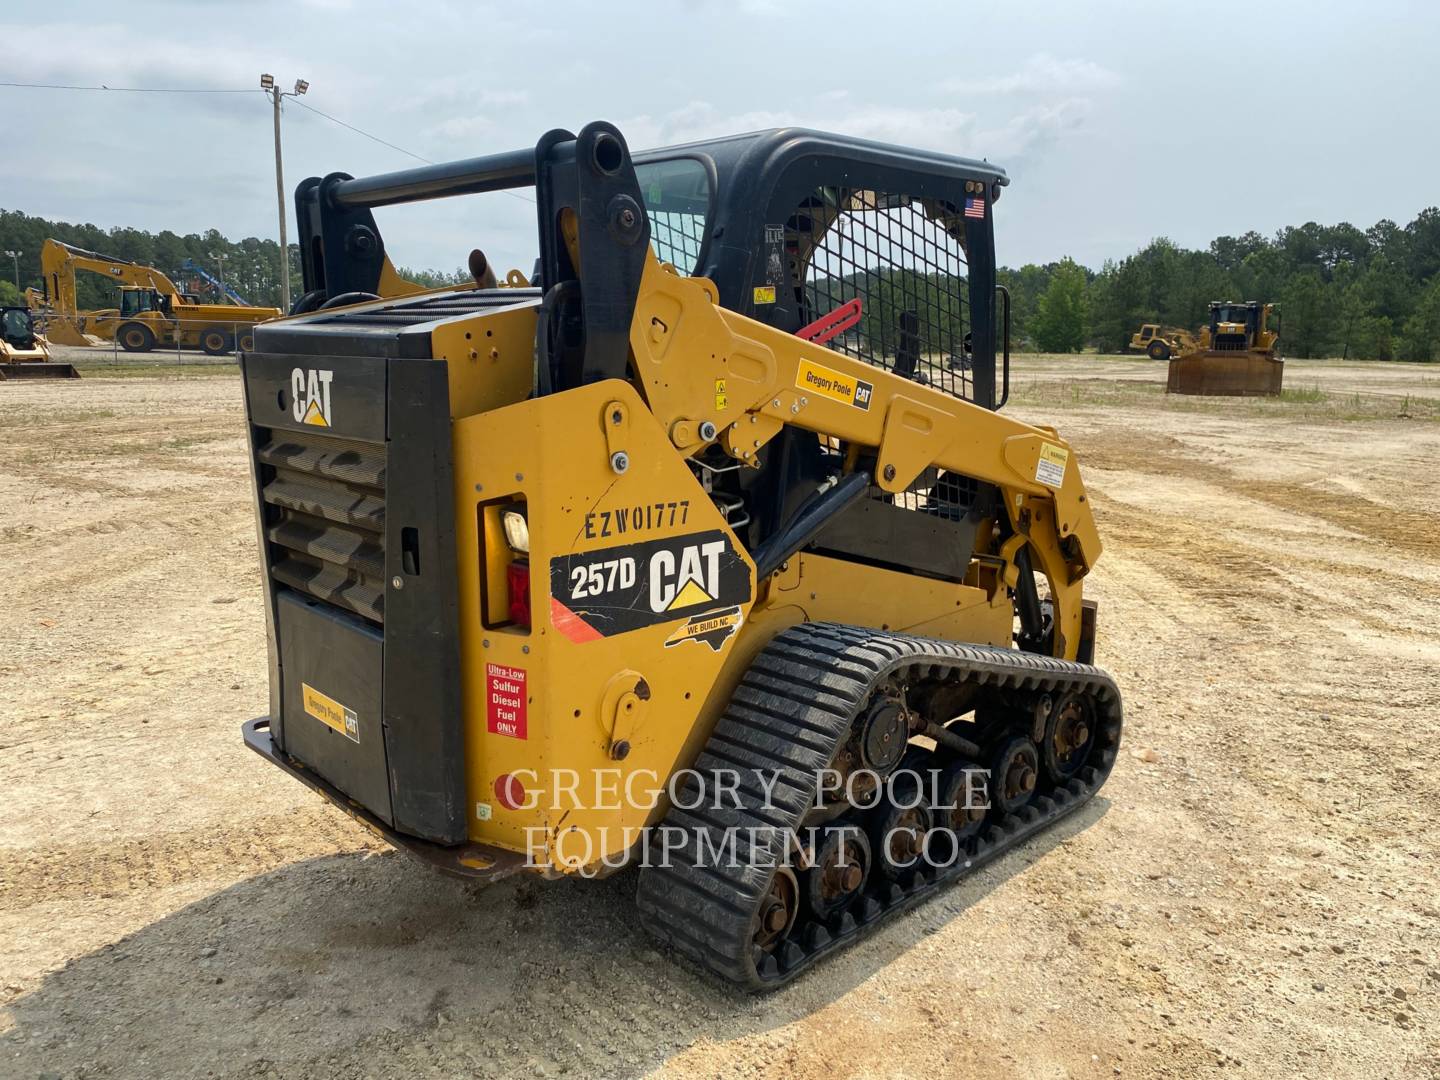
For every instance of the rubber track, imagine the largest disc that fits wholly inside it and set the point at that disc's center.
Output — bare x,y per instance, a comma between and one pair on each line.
790,713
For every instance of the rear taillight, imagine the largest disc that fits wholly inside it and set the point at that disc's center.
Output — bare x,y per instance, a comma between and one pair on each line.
517,577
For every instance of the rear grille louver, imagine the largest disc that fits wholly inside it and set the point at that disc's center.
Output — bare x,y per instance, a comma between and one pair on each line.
325,518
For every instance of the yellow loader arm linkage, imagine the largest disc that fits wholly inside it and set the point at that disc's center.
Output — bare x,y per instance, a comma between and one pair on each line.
771,379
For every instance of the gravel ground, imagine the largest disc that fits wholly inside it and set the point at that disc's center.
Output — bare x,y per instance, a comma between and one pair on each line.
1253,894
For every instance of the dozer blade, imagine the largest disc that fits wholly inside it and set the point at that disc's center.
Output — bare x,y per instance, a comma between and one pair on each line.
47,370
1226,374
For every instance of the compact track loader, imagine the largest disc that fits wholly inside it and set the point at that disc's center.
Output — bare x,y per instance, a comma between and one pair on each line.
697,550
24,353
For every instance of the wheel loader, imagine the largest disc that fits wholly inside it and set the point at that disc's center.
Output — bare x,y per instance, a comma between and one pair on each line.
1161,342
692,551
24,353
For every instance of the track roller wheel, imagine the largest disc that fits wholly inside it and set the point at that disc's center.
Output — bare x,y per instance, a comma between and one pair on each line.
777,910
1014,769
899,827
962,797
1069,735
838,869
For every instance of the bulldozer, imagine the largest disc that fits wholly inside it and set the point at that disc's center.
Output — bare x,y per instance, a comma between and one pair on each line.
152,311
692,552
24,353
1236,355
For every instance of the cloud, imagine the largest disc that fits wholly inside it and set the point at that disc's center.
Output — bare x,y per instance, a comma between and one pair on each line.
948,130
1034,130
1042,73
113,54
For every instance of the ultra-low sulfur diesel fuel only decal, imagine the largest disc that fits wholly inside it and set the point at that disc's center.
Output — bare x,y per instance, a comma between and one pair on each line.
618,589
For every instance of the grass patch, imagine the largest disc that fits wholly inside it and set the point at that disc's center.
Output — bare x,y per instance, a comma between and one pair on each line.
1293,403
157,371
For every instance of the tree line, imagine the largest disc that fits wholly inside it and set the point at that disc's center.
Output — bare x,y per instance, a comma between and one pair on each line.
250,266
1370,294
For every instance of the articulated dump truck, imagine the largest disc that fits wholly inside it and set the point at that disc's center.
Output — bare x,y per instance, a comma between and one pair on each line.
696,550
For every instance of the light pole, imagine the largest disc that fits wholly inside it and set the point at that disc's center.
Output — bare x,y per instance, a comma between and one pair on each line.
15,257
220,257
267,83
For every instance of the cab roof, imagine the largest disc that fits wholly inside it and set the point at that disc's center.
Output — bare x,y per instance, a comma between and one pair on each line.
774,148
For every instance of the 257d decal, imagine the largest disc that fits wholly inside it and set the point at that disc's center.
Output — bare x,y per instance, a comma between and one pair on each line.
615,590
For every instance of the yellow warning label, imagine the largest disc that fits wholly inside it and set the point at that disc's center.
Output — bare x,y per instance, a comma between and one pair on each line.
330,712
314,416
722,399
764,294
827,382
1050,468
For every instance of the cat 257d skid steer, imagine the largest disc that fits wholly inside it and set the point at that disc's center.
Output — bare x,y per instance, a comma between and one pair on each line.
704,548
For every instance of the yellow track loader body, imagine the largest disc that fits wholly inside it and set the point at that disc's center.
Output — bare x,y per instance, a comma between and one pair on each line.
710,539
24,353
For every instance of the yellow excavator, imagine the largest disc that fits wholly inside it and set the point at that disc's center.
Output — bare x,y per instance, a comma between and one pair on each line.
705,549
24,352
152,311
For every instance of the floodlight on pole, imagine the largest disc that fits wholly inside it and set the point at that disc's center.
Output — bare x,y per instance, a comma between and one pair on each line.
15,257
273,91
220,257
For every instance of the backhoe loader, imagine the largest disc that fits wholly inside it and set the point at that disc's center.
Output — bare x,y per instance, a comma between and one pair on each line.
152,311
24,353
696,552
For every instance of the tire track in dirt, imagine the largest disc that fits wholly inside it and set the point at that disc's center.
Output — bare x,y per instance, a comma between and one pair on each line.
112,869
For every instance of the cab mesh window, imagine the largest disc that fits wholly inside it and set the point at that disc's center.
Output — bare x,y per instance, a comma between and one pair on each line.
904,260
677,201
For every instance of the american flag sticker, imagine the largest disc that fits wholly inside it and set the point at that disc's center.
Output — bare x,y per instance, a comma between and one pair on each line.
975,207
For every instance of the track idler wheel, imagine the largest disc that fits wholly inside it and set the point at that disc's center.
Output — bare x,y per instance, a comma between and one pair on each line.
838,870
1069,736
1014,771
778,908
899,828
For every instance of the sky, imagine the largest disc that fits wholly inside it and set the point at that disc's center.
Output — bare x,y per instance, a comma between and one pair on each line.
1117,120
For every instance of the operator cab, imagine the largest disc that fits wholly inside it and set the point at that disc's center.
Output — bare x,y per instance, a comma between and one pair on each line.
883,253
17,327
136,300
1234,326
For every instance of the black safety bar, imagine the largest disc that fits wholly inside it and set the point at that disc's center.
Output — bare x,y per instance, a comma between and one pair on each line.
1005,366
493,172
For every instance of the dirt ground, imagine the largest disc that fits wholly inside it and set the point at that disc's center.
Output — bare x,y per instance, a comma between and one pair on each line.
1254,894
